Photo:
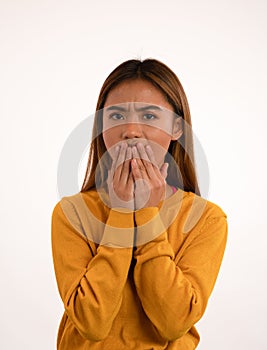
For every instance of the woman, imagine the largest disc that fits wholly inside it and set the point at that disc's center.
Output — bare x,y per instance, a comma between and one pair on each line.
137,251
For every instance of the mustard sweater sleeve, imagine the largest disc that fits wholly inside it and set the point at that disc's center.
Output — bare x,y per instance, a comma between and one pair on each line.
90,285
174,294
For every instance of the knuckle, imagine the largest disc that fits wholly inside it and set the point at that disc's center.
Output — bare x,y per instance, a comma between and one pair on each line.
158,184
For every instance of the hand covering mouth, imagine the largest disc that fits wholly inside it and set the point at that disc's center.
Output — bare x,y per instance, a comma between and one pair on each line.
134,142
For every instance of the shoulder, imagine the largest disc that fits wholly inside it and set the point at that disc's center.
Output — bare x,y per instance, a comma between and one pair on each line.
83,213
204,223
65,203
211,209
196,203
77,201
65,213
69,208
199,212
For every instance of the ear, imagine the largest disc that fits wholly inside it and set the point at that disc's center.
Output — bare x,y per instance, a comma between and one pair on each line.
177,130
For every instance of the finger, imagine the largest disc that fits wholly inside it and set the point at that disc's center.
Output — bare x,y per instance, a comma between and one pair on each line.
114,162
142,152
135,152
128,155
130,182
110,183
164,170
136,172
134,164
149,161
139,163
152,159
117,166
109,178
126,166
151,155
142,161
121,154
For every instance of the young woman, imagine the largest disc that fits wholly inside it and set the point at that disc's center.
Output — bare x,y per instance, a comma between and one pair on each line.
137,251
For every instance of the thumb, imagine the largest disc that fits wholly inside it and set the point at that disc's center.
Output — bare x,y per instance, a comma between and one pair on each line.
164,170
109,178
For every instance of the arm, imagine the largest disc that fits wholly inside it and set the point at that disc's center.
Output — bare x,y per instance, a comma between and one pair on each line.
174,294
90,285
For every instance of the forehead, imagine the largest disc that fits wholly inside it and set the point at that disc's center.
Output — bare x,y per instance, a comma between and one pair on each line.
137,91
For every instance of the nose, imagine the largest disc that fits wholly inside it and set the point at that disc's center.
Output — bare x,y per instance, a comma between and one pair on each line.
131,130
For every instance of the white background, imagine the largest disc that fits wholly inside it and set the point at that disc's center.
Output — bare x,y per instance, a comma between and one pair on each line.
54,58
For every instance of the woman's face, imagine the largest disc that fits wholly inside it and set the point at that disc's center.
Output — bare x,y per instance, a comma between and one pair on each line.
136,111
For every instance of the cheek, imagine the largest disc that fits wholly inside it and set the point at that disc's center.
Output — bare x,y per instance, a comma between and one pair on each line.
160,138
110,141
110,137
106,139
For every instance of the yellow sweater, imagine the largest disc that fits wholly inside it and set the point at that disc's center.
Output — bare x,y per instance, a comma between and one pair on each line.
149,296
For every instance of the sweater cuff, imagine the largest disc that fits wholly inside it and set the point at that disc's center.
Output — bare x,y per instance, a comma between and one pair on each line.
149,225
158,247
119,229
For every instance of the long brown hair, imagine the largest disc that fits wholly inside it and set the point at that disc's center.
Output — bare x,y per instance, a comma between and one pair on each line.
167,82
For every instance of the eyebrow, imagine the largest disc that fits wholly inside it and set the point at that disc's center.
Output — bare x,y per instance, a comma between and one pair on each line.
116,108
141,109
150,107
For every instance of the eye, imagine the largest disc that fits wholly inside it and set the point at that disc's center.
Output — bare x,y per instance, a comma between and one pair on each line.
116,116
149,116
